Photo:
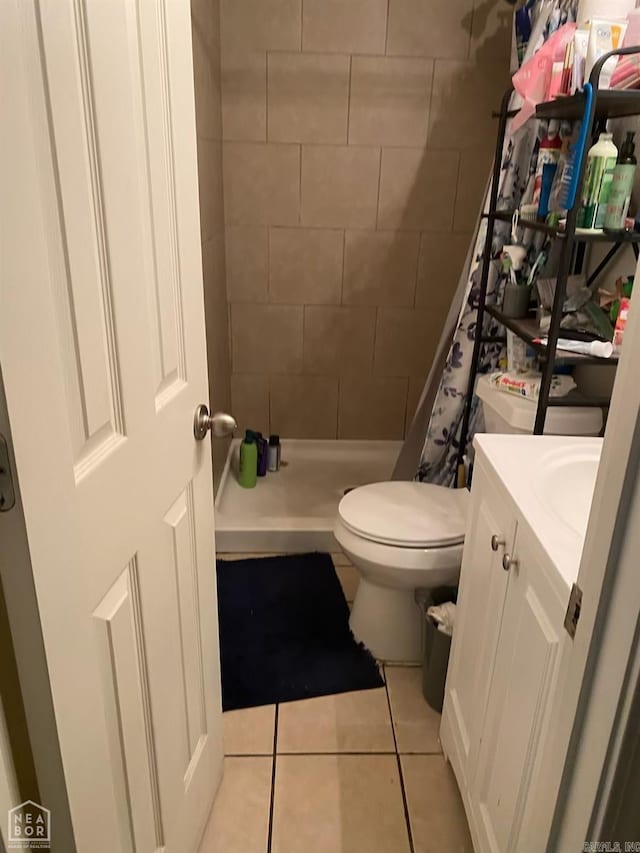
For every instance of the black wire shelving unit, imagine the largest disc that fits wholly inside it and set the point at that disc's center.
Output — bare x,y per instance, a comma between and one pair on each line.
605,104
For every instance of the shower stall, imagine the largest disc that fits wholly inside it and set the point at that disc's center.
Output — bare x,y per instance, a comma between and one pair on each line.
343,152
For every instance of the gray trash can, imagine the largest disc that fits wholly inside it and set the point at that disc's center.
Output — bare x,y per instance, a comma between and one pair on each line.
436,646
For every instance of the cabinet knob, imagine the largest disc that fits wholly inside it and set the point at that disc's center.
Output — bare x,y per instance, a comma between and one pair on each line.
496,542
509,562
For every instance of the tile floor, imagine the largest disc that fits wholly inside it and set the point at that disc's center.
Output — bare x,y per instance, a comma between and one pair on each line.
356,772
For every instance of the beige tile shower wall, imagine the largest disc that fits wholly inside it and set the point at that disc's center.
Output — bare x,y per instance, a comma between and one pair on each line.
205,27
357,144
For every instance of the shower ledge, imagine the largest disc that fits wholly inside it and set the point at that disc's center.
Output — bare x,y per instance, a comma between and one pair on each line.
293,509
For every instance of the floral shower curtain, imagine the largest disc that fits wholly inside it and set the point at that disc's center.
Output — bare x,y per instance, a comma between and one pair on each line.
440,453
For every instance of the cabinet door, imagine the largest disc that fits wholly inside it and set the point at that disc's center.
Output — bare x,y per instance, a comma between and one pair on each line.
480,602
521,690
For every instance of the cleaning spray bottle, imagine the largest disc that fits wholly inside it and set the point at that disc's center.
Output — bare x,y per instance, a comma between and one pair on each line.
248,471
601,161
621,186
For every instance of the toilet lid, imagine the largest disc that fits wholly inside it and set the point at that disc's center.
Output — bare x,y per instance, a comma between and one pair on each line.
409,514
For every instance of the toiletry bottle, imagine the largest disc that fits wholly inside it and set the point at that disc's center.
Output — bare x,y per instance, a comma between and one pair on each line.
248,471
263,454
274,453
548,174
604,36
621,186
580,45
263,460
601,161
523,30
549,152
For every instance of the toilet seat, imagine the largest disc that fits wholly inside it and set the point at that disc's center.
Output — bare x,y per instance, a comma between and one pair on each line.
406,514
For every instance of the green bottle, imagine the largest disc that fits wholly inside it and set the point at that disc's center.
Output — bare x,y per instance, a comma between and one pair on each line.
248,473
601,161
621,186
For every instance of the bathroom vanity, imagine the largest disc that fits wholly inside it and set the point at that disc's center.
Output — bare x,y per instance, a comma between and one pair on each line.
530,503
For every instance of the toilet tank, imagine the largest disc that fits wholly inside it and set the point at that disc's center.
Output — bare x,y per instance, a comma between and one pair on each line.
508,413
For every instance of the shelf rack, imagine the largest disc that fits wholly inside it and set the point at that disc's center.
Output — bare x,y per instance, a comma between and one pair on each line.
605,104
527,329
632,237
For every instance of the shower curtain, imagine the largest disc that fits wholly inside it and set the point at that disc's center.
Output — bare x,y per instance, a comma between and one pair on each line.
438,462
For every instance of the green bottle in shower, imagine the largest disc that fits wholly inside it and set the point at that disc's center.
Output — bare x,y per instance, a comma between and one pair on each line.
248,469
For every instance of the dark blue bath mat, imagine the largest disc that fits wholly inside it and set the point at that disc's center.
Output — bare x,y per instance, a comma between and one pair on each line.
284,632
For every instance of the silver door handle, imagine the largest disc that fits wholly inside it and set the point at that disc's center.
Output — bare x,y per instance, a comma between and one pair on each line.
220,423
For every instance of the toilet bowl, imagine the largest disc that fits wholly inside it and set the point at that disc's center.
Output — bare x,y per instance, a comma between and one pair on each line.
400,536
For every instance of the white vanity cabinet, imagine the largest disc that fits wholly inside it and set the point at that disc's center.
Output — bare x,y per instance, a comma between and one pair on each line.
503,669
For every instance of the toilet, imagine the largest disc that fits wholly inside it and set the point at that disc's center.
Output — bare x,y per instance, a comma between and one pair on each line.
404,536
400,536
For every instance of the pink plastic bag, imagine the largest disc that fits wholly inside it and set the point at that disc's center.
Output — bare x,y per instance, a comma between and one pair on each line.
532,81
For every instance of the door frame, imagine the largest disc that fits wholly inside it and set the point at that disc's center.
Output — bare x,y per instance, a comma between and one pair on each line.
598,674
26,633
9,795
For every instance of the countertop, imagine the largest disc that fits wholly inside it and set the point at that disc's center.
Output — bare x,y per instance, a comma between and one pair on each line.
520,462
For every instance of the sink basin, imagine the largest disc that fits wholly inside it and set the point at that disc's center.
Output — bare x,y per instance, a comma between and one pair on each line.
565,482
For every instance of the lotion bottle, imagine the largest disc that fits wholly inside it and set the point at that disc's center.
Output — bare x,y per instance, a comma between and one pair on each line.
601,161
621,186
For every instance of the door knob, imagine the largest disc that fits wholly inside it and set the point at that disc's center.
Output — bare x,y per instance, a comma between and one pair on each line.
220,423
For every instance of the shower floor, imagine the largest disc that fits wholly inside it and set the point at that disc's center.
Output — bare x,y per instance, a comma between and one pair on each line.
294,508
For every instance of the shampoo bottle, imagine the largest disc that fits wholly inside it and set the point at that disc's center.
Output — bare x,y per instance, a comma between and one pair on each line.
248,472
274,452
621,186
263,454
601,162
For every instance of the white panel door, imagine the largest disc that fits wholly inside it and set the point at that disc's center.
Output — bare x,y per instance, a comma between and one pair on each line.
102,346
515,725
